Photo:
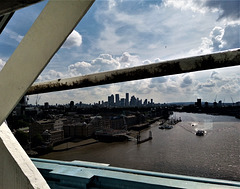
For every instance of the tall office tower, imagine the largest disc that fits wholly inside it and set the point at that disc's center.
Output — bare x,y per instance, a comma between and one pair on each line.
127,99
122,102
109,101
117,99
112,100
199,102
137,102
71,105
145,102
133,101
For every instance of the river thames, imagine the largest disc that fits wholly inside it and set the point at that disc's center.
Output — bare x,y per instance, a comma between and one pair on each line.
176,151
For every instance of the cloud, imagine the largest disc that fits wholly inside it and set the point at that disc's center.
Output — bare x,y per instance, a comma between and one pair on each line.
105,62
225,9
147,62
231,36
157,82
193,5
80,68
50,75
73,40
208,84
14,35
228,9
219,39
215,76
128,60
155,31
139,87
187,81
216,36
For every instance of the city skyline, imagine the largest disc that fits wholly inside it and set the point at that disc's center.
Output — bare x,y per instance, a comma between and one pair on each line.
122,34
115,100
112,100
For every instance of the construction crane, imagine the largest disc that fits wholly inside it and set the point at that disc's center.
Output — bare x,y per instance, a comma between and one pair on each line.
215,100
232,101
37,99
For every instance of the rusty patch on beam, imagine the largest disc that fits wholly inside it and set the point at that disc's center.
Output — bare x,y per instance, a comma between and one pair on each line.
184,65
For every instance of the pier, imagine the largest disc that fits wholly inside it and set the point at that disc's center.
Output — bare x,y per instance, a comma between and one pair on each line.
139,141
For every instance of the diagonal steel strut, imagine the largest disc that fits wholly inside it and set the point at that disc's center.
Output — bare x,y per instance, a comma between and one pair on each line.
45,37
191,64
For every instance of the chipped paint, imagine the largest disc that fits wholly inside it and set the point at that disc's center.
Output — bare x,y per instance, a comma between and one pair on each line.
184,65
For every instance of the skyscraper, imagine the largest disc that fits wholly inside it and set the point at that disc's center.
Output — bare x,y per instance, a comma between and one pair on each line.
133,101
111,100
127,99
117,99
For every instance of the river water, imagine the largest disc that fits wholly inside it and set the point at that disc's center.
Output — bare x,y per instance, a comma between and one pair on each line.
177,151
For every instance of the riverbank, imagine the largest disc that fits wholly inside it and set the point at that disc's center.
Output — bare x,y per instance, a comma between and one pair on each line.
74,144
176,151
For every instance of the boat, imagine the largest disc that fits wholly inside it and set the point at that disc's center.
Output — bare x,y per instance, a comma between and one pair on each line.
200,133
165,127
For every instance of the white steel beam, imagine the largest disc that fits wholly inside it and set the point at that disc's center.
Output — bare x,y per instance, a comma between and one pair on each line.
16,169
178,66
44,38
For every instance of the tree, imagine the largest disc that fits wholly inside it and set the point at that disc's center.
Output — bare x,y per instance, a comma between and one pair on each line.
22,137
37,140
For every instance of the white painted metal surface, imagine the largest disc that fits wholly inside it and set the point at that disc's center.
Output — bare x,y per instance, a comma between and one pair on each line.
16,169
178,66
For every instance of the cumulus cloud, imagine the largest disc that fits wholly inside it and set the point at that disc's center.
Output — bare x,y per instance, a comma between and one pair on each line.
80,68
50,75
216,36
219,39
105,62
158,60
73,40
187,81
128,60
147,62
204,48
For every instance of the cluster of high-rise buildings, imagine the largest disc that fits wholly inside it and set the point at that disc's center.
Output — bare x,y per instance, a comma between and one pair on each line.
116,101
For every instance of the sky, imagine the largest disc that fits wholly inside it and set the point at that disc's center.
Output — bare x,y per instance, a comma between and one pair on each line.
117,34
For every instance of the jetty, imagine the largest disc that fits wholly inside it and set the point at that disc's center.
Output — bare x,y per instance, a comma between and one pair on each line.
139,141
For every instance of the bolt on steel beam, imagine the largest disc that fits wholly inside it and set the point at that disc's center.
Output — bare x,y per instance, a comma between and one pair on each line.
184,65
